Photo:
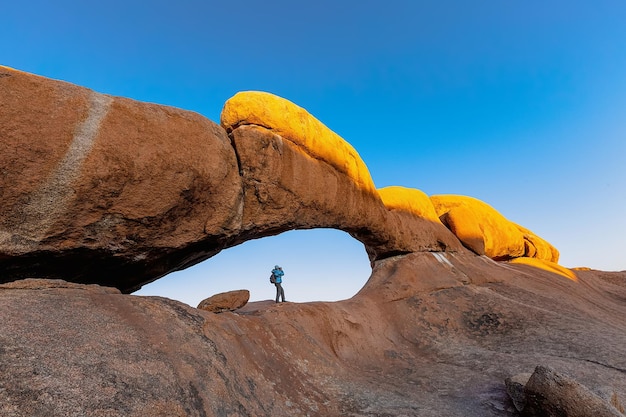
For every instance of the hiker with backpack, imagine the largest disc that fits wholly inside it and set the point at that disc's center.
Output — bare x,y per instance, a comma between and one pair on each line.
277,278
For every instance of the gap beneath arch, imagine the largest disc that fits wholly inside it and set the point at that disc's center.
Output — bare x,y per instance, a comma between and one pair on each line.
319,265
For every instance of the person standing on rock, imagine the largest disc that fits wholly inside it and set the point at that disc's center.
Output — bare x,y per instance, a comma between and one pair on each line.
277,274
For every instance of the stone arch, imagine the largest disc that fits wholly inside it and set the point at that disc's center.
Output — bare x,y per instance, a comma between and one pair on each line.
115,192
160,189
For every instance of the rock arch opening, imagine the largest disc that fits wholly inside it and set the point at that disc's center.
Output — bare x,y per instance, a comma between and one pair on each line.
319,265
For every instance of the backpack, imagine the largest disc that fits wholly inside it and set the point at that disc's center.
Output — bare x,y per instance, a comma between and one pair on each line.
272,279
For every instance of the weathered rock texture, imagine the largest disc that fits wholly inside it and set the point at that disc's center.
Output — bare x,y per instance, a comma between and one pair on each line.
226,301
549,393
112,191
423,338
107,190
99,189
515,389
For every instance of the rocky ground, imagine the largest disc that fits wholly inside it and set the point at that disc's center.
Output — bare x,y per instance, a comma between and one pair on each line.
422,338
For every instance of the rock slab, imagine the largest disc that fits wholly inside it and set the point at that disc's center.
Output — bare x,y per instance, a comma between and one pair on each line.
406,345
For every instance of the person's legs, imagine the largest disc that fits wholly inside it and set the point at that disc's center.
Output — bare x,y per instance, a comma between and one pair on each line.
280,293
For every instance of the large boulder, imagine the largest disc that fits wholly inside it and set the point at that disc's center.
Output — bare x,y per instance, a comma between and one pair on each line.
485,231
225,301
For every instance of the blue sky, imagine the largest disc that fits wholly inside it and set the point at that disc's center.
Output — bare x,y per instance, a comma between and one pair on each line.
519,104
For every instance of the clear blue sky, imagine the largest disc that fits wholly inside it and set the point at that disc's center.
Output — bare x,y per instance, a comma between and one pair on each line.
521,104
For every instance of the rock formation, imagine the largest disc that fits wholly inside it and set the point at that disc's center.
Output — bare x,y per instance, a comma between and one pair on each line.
112,191
486,232
549,393
104,190
100,189
226,301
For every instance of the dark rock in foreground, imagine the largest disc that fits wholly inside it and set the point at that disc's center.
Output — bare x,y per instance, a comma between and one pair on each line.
549,393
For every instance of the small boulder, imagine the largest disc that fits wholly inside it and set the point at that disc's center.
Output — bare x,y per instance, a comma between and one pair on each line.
549,393
226,301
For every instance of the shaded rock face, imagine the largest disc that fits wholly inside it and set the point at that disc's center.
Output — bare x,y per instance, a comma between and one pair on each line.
105,189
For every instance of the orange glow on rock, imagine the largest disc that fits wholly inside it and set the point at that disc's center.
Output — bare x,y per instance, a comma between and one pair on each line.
476,224
298,126
546,266
409,199
479,226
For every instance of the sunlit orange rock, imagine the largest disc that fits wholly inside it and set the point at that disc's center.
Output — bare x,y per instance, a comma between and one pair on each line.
536,247
409,199
546,266
485,231
298,174
479,226
298,126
